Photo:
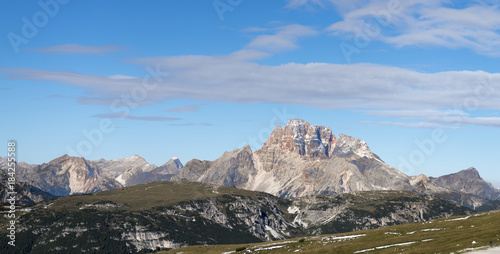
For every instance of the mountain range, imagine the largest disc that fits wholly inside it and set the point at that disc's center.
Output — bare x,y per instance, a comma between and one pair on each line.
302,160
297,160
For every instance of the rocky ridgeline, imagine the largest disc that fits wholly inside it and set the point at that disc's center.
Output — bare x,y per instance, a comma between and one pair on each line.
297,160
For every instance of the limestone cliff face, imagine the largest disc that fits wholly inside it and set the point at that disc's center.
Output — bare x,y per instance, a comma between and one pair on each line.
298,136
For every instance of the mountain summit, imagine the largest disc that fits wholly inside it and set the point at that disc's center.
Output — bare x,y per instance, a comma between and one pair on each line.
309,141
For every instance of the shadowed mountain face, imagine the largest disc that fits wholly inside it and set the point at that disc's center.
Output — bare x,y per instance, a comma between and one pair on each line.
302,159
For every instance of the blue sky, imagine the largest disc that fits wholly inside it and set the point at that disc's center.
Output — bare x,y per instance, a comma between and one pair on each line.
419,81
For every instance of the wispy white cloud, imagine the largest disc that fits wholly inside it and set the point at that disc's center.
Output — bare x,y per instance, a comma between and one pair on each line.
78,49
433,118
238,78
233,78
418,125
307,3
140,118
191,124
118,76
255,29
190,108
485,121
285,38
416,114
419,23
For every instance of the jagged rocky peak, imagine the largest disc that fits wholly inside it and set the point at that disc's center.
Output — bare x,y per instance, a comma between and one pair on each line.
134,160
172,166
470,173
61,159
347,146
175,161
67,162
309,141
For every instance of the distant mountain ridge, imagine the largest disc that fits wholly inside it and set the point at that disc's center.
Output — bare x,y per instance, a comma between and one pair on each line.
68,175
136,170
65,176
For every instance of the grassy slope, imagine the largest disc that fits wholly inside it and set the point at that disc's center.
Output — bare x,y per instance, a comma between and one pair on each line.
454,235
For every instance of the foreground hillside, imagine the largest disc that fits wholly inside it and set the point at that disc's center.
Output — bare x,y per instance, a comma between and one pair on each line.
449,235
164,215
